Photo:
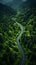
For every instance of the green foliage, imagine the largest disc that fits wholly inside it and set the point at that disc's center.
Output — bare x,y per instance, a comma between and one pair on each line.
8,45
9,29
28,39
9,52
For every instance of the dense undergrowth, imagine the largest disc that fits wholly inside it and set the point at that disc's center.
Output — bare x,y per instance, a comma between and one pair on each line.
28,39
9,52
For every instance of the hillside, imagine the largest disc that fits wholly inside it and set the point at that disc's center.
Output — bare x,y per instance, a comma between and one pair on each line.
6,13
6,10
27,18
9,30
9,51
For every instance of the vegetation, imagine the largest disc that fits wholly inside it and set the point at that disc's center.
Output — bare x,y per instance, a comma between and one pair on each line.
28,39
9,52
9,29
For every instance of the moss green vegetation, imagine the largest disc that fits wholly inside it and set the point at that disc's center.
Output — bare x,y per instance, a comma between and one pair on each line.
9,29
28,39
9,51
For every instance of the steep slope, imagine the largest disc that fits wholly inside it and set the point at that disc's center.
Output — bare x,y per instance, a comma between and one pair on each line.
9,52
15,4
29,35
27,17
6,12
4,9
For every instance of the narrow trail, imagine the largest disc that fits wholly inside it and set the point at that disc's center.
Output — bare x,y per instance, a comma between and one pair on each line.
19,45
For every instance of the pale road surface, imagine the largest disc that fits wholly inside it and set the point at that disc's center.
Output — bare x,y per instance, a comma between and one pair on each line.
19,45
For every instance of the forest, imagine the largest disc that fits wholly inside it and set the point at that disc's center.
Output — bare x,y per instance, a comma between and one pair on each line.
18,28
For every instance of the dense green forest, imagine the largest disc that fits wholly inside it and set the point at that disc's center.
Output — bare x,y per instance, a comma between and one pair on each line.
28,39
9,51
9,30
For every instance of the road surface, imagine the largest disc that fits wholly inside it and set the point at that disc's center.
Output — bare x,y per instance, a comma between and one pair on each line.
19,45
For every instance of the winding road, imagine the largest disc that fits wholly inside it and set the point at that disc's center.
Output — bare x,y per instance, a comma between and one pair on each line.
19,45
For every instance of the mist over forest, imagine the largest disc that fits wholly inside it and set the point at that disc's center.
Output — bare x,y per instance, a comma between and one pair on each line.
16,4
17,32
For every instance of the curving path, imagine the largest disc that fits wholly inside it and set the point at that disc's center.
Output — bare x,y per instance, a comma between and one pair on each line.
20,48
